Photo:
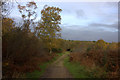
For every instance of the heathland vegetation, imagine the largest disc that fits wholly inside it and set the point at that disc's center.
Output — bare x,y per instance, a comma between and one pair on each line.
93,59
28,47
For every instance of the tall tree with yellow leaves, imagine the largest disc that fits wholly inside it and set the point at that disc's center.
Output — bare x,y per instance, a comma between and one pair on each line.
49,28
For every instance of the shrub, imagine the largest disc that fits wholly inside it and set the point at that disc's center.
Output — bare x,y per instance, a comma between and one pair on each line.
57,50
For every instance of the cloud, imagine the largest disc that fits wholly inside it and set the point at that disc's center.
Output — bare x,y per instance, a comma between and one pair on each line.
80,13
114,25
85,20
89,34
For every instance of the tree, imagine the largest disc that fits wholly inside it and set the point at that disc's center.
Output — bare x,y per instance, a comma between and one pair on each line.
7,25
6,8
28,14
49,28
101,44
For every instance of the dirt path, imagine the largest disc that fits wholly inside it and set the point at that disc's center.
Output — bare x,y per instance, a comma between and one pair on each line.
57,69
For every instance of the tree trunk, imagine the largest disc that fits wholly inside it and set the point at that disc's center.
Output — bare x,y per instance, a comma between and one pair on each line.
50,50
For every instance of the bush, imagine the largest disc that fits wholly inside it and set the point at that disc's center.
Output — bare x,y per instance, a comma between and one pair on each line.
21,51
99,54
57,50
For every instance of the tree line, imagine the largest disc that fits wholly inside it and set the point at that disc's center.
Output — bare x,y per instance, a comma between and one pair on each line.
27,45
30,44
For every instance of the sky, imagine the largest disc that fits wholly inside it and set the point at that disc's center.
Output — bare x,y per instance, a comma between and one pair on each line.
84,21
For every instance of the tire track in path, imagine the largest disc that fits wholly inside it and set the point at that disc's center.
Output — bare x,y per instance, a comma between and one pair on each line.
57,69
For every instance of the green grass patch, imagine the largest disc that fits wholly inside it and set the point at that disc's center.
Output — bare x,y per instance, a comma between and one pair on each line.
36,73
79,71
59,54
76,69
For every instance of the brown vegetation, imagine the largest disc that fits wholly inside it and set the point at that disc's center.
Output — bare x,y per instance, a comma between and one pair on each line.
99,54
25,47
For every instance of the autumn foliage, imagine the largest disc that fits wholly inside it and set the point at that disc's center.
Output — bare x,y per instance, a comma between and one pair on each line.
23,48
100,56
26,46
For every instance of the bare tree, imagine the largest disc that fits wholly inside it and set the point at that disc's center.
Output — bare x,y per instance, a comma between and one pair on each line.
6,7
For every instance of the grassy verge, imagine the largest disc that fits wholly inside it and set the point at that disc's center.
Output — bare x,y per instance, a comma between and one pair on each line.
36,73
76,69
79,71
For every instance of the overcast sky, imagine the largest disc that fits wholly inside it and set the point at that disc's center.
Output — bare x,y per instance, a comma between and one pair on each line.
86,21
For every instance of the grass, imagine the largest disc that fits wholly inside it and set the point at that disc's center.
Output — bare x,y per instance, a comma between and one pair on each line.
37,73
76,69
79,71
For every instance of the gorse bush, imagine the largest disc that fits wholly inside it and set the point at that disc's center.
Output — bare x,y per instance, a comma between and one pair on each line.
98,54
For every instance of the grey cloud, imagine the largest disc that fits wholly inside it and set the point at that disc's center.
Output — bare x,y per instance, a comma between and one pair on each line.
80,13
88,35
112,4
114,25
96,25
